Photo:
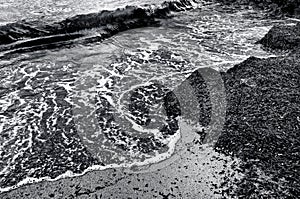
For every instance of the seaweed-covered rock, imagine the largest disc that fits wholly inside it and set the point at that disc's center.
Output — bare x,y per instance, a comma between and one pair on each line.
282,38
263,124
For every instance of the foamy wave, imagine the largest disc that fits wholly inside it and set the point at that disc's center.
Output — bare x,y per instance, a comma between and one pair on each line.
158,158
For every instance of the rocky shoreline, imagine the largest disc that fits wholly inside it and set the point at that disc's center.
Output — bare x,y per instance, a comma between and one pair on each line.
261,129
262,125
263,118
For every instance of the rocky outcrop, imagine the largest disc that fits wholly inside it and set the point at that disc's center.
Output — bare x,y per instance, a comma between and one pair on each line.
262,125
263,118
282,38
262,121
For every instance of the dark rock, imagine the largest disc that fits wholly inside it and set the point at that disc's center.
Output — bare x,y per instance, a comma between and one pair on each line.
282,38
263,124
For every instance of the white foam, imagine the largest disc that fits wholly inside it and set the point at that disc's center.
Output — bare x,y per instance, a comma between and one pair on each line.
159,157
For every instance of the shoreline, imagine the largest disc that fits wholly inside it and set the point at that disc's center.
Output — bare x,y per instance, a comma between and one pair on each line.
246,162
198,154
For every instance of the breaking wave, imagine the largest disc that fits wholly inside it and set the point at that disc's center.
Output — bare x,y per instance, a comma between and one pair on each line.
29,36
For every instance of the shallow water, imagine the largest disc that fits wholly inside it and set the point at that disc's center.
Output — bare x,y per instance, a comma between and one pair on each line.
68,109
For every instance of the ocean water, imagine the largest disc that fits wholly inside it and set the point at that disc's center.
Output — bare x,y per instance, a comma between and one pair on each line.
55,10
99,105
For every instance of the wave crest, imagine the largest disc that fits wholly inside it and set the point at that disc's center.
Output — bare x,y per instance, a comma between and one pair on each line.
28,34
